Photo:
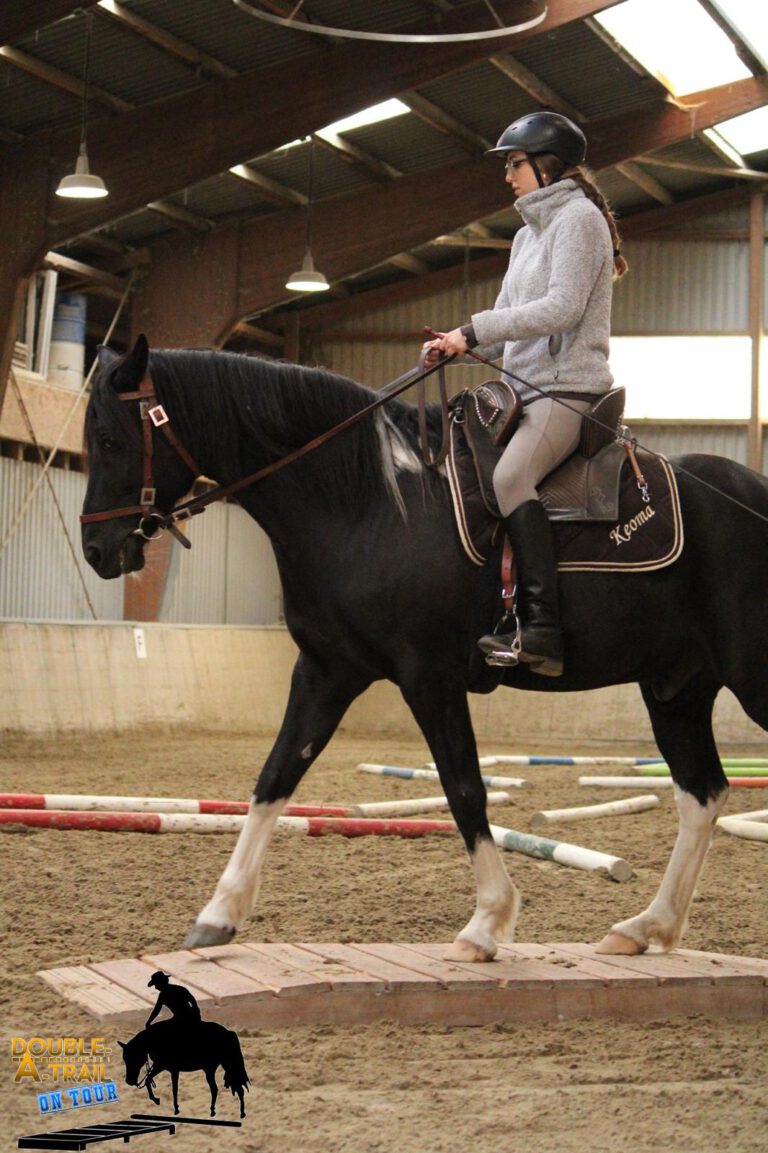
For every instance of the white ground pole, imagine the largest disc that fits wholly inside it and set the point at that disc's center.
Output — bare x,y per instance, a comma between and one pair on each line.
408,774
751,829
585,812
563,853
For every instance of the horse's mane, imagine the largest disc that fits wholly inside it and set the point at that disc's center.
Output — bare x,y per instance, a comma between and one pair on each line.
231,403
282,406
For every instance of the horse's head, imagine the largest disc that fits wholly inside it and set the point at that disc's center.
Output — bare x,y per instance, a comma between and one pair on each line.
119,480
134,1056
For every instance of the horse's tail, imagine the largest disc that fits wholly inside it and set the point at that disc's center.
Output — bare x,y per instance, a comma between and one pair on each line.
235,1075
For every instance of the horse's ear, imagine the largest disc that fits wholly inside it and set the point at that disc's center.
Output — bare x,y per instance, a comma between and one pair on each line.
133,368
105,356
121,1044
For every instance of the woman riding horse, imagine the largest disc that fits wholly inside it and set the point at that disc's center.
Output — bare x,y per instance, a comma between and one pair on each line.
552,321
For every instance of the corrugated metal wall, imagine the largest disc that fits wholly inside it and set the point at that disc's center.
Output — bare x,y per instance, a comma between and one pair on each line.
228,577
683,287
38,574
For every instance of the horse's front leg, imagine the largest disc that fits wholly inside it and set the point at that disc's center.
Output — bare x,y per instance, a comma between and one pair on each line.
210,1076
149,1084
318,699
175,1089
683,730
443,715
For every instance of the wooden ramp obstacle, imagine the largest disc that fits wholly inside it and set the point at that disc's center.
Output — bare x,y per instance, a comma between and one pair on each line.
274,986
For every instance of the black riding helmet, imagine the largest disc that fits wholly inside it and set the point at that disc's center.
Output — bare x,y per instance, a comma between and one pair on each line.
543,132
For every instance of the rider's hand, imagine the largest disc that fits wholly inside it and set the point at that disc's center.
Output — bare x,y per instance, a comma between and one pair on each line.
453,343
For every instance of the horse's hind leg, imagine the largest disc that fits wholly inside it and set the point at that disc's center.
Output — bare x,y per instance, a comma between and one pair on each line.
443,716
683,731
318,699
210,1076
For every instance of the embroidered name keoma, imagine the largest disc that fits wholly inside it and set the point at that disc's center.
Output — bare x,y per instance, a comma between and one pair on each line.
622,534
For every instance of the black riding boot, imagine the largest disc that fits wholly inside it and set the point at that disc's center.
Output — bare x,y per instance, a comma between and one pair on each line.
540,639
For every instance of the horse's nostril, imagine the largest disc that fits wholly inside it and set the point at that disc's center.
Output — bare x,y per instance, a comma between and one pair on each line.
92,555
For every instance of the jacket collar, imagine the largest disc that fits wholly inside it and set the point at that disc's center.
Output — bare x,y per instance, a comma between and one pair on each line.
537,208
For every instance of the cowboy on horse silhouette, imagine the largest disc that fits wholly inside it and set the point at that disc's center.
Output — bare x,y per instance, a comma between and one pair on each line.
178,1000
181,1044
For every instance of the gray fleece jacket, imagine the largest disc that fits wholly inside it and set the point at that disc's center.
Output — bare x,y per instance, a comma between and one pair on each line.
552,318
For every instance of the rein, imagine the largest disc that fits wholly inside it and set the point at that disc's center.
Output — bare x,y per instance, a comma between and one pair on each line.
155,416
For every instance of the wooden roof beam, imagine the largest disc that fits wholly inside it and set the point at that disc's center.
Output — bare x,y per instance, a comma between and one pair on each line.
437,118
63,80
272,189
158,149
354,232
197,59
17,21
355,155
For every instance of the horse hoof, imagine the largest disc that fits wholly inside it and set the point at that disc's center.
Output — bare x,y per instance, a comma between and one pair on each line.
619,945
468,951
202,935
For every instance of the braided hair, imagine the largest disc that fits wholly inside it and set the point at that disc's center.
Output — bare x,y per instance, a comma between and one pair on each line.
556,170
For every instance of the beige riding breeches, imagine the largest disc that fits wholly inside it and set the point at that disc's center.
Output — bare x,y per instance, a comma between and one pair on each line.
548,433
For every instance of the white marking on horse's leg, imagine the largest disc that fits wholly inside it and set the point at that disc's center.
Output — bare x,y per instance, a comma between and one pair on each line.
236,892
664,921
498,903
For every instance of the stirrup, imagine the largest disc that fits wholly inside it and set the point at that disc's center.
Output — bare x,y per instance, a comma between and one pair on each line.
507,655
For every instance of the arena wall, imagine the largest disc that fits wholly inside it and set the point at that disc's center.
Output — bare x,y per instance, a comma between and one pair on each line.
60,677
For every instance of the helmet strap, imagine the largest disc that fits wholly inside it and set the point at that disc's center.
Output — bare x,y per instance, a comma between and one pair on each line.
536,171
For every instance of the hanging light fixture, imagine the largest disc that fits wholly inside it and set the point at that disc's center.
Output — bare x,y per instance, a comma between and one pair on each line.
82,184
307,278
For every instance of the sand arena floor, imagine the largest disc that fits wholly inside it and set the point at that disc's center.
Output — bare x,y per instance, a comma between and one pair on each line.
689,1085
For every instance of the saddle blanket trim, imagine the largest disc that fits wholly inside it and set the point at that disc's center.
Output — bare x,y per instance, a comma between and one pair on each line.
677,536
676,543
459,510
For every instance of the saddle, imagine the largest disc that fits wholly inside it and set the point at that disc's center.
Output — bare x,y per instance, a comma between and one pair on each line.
611,505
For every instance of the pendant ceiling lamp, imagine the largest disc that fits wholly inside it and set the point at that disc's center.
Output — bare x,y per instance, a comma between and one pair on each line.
307,278
82,184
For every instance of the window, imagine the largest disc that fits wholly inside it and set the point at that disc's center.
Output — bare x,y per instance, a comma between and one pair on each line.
685,377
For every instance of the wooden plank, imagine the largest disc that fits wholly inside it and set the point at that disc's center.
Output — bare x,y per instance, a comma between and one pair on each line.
451,974
133,975
659,967
319,959
379,968
259,964
187,966
564,965
280,985
747,964
96,993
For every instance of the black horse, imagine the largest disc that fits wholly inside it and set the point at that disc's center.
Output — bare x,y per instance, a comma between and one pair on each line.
182,1049
377,586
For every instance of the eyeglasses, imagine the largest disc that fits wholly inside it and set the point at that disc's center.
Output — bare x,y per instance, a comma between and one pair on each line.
512,165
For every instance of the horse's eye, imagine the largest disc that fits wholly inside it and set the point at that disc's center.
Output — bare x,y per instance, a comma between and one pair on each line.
109,444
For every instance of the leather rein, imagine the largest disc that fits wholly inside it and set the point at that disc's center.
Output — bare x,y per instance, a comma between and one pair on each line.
154,416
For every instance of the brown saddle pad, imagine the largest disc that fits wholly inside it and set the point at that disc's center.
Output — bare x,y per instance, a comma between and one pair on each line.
599,517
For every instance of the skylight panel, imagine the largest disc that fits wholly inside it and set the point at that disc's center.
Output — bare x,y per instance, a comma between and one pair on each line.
750,19
677,42
747,133
386,110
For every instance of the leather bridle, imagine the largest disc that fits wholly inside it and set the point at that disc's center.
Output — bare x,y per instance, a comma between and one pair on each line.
154,416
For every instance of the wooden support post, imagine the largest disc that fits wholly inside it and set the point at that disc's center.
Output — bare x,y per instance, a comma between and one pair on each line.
756,307
143,592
